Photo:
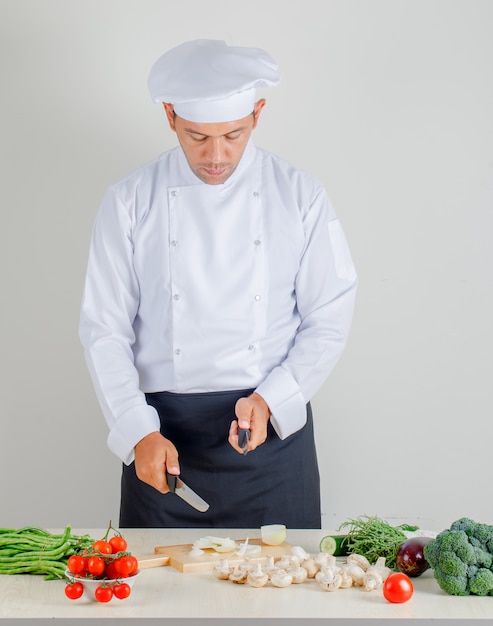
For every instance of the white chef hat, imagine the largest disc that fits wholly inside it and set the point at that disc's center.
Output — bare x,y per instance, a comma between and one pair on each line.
209,81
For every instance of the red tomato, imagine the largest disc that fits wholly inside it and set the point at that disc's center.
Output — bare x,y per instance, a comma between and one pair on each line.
111,571
74,590
126,566
121,591
135,567
103,593
95,565
398,588
118,544
76,564
102,546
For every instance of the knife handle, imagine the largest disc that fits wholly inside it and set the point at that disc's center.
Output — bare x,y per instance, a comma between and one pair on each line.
243,438
171,480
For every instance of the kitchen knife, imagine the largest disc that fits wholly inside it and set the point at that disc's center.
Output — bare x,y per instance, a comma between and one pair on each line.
177,486
243,439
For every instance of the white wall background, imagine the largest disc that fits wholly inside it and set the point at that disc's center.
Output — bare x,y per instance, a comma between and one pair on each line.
389,103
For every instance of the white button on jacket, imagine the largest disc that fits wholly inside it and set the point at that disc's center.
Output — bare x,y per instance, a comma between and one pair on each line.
193,287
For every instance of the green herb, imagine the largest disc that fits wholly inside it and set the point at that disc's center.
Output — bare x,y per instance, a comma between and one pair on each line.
373,537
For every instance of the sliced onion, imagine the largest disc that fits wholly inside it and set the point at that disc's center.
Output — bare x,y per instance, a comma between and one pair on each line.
219,544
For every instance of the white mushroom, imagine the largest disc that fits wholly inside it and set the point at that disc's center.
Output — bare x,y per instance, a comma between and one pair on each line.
331,562
269,566
346,580
223,569
328,579
383,569
298,573
239,576
246,565
322,559
372,580
284,562
329,576
281,578
257,577
299,552
356,572
311,567
359,559
376,574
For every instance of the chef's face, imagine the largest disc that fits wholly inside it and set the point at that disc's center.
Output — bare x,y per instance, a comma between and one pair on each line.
213,150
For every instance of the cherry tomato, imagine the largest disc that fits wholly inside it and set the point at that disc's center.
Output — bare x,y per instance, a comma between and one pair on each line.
76,564
103,593
95,565
398,588
135,567
121,591
126,566
111,571
118,544
74,590
102,546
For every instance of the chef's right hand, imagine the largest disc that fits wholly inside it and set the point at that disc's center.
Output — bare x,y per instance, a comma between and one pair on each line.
154,456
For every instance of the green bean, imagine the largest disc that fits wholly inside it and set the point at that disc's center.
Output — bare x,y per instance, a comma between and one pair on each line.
32,550
47,554
43,568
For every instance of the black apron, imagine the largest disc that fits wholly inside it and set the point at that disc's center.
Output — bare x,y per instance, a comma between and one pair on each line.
278,483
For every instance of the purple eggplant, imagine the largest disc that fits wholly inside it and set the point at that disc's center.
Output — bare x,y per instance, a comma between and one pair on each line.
410,558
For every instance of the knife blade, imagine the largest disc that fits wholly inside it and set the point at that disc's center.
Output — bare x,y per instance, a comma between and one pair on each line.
243,439
178,487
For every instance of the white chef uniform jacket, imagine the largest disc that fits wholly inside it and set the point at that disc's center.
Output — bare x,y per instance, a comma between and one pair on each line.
199,288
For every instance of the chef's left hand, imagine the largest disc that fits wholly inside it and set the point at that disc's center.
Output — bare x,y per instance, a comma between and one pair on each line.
253,413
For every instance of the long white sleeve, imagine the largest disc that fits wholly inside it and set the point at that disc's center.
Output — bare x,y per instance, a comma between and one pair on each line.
197,288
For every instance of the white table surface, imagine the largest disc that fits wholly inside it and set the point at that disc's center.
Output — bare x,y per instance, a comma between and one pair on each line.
165,592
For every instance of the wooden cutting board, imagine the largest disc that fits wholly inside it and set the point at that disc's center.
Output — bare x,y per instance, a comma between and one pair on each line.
179,556
152,560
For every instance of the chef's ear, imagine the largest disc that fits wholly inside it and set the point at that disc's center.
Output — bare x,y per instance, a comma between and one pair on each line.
259,105
170,114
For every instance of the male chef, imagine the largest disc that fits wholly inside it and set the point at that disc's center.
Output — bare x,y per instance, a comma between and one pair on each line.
219,294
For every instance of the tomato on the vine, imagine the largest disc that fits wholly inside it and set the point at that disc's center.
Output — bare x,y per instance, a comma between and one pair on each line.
74,590
76,563
111,571
103,593
118,544
126,566
135,567
398,588
102,546
95,565
121,591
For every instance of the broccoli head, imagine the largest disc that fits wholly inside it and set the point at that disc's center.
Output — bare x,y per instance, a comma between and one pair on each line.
482,533
453,585
482,583
483,558
461,558
464,523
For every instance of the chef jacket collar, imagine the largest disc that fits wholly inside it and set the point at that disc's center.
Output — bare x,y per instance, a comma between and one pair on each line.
244,164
